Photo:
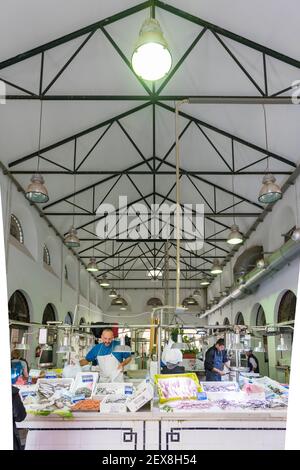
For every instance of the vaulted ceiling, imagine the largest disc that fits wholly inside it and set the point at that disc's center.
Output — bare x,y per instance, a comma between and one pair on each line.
116,133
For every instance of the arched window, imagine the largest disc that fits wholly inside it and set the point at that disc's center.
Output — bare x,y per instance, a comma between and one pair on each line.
287,307
68,319
260,317
46,256
18,307
239,319
16,230
154,302
49,314
226,321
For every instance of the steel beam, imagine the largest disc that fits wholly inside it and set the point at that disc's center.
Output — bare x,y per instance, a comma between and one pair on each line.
228,135
79,134
76,34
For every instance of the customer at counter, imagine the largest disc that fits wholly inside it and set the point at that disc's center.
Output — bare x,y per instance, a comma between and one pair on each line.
252,362
173,358
110,363
215,359
18,366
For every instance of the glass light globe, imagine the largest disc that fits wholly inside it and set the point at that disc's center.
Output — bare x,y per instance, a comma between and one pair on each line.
151,59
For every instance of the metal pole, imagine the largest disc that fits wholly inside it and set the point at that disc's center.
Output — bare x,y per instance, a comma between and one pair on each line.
158,339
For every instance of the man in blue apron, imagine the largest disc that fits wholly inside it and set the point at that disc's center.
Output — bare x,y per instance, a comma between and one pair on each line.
110,363
215,358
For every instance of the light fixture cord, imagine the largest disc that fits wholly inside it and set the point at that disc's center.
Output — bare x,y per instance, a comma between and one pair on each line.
297,213
177,207
74,190
266,137
232,177
40,132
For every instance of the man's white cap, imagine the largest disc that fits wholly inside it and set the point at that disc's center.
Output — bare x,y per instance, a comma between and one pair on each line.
173,356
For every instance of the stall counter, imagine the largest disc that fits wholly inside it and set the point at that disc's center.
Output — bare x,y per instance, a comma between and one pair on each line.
156,430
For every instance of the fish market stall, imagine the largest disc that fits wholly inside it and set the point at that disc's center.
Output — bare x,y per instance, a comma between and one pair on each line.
173,413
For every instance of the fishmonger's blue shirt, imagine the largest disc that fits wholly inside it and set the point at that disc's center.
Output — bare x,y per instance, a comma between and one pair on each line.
102,350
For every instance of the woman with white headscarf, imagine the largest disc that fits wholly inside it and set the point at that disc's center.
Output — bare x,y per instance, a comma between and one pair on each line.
173,359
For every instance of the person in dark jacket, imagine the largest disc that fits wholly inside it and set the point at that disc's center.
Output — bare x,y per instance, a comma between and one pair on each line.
173,360
215,359
19,414
252,362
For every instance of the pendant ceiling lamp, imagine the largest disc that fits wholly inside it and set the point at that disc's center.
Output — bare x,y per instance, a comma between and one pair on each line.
36,190
270,191
104,282
204,282
92,266
197,292
113,294
151,58
71,239
216,267
234,237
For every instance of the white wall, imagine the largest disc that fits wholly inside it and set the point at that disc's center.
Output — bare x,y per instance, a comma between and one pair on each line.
268,234
40,284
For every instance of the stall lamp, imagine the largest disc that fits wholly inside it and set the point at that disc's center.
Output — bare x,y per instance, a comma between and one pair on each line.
122,346
204,282
235,237
179,344
270,191
63,349
282,346
151,58
123,308
47,347
113,294
23,346
237,345
216,268
65,346
104,282
92,266
260,348
71,239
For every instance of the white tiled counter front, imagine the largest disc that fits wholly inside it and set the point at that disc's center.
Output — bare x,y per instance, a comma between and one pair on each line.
158,431
257,430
